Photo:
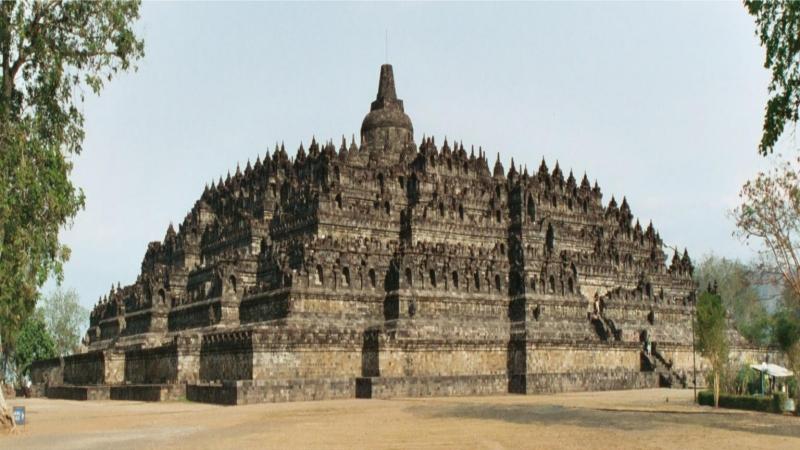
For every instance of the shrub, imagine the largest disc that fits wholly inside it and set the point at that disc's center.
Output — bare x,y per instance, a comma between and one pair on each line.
735,380
791,386
748,381
778,399
747,402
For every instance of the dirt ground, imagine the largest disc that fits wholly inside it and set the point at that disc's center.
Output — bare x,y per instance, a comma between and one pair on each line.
654,418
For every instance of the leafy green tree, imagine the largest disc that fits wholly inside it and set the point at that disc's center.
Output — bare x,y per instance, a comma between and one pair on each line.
778,28
711,335
787,336
65,319
50,52
739,296
33,343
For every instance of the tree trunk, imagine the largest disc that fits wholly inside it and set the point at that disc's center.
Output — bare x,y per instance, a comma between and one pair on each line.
6,418
716,389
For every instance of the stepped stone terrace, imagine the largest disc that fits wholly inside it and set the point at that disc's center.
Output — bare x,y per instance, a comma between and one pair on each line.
390,268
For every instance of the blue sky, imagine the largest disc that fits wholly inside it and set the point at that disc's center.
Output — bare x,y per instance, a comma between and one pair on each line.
661,102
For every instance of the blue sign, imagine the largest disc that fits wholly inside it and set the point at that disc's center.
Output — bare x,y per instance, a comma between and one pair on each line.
19,415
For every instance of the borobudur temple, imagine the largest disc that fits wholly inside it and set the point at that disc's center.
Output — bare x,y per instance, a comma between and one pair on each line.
391,268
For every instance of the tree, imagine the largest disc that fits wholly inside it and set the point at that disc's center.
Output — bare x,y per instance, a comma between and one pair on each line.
50,51
778,28
65,319
34,342
787,336
738,294
711,334
770,214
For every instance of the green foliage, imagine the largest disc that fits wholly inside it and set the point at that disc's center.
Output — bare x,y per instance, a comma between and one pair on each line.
787,336
710,329
747,402
711,335
748,381
786,330
778,28
33,343
50,51
736,380
778,399
65,319
727,379
739,296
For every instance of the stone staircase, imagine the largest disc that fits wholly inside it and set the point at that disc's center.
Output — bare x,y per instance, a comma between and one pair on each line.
655,362
605,328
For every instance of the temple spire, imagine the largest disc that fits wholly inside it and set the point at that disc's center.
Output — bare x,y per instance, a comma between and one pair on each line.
387,123
386,90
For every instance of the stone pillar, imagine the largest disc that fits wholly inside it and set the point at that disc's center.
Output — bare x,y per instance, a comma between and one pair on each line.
113,367
188,358
229,303
229,313
159,320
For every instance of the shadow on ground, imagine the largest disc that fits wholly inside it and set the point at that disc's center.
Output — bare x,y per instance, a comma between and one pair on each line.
758,423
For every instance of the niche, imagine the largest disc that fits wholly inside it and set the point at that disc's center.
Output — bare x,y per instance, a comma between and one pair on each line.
531,209
320,279
346,277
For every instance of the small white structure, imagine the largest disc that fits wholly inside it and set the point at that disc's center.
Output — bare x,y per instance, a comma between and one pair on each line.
772,370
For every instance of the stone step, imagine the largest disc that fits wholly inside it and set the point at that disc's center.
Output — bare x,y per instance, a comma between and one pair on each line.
431,386
600,380
242,392
70,392
148,392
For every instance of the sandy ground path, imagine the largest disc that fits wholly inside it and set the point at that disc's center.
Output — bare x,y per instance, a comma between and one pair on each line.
654,418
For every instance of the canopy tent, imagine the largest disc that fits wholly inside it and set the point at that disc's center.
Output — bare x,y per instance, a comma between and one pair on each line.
772,370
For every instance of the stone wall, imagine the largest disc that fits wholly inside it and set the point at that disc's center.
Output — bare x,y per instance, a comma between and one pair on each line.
306,351
443,359
244,392
78,392
188,347
430,386
580,357
84,369
137,323
589,380
264,307
195,315
152,366
114,367
47,371
227,356
147,393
